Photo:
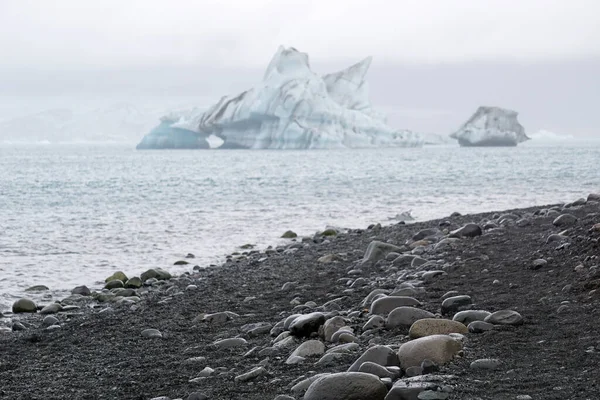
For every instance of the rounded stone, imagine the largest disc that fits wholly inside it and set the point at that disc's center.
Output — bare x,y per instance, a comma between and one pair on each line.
505,317
331,326
24,306
385,305
230,343
347,386
404,317
468,316
81,290
51,309
151,333
308,349
479,327
306,324
113,284
49,321
133,283
382,355
486,364
37,288
119,276
433,326
564,220
438,348
456,303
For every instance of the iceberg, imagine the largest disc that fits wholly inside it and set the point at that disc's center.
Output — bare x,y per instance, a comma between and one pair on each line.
491,126
291,108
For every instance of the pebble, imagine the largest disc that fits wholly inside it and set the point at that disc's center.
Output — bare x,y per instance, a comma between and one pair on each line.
197,396
486,364
300,387
51,309
250,375
118,276
505,317
346,386
81,290
377,251
49,321
133,283
539,263
438,348
374,322
37,288
331,326
230,343
308,349
468,316
433,326
382,355
456,303
468,230
306,324
151,333
564,220
24,306
479,327
385,305
369,367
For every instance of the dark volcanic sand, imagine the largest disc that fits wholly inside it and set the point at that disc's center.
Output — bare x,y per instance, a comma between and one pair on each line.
552,356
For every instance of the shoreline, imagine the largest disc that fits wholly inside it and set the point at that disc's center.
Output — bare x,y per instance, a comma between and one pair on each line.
333,276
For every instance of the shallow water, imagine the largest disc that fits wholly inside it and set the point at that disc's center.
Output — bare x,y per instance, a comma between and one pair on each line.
74,214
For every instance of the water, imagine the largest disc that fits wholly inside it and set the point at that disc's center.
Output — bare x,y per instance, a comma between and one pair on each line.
74,214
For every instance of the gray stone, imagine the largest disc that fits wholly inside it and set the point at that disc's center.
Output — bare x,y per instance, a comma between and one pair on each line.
468,316
404,260
155,273
346,386
284,397
377,251
113,284
593,197
301,387
564,220
425,233
331,358
382,355
468,230
81,290
456,303
289,235
217,318
374,322
486,364
51,309
404,317
24,306
369,367
344,348
556,238
417,262
133,283
151,333
306,324
230,343
18,326
479,327
505,317
438,348
49,321
372,296
432,395
197,396
308,349
539,263
385,305
256,329
250,375
331,326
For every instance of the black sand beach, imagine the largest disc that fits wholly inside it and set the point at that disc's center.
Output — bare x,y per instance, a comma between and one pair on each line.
552,282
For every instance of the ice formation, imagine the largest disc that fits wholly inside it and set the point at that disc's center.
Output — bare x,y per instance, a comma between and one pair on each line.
292,108
491,126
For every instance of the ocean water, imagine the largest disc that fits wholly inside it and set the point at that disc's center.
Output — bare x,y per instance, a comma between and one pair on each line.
74,214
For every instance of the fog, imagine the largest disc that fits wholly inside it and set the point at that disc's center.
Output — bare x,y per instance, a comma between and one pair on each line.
434,62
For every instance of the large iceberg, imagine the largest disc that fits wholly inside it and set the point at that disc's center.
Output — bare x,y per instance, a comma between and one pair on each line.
491,126
292,108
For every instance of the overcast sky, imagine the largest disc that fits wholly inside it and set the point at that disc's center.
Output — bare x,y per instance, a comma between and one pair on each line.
434,61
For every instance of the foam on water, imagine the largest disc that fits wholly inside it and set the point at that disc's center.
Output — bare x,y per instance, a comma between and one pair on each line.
72,215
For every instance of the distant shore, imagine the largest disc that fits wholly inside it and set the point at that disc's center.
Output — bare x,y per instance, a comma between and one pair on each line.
204,331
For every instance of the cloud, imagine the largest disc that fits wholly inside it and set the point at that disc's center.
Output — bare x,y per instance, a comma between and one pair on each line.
110,33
